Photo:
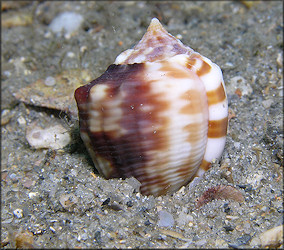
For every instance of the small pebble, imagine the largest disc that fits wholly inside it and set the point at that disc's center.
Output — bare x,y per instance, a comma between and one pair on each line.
229,228
243,240
267,103
134,183
24,240
98,237
279,60
68,200
28,181
220,243
255,181
84,236
106,202
129,203
70,54
229,217
181,190
8,221
165,219
33,194
49,81
229,65
52,229
69,22
21,120
184,219
179,36
54,137
18,213
247,228
14,177
7,73
271,238
237,145
238,82
6,116
83,49
147,223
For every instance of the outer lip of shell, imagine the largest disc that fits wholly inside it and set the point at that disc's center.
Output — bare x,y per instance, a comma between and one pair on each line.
117,108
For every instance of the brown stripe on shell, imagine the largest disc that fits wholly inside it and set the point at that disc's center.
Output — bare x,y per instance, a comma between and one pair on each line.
217,128
174,72
203,70
217,95
205,165
193,131
194,138
191,62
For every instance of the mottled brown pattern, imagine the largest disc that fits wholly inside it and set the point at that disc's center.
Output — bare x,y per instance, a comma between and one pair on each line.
150,42
100,141
179,49
156,54
160,39
217,95
217,128
139,92
128,153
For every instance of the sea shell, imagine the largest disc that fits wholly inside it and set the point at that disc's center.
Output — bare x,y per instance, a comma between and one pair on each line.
159,113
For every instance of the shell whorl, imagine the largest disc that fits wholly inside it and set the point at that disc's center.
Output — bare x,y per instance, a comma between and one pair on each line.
159,113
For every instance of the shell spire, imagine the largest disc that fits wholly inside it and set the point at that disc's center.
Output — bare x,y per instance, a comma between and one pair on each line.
155,25
156,44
